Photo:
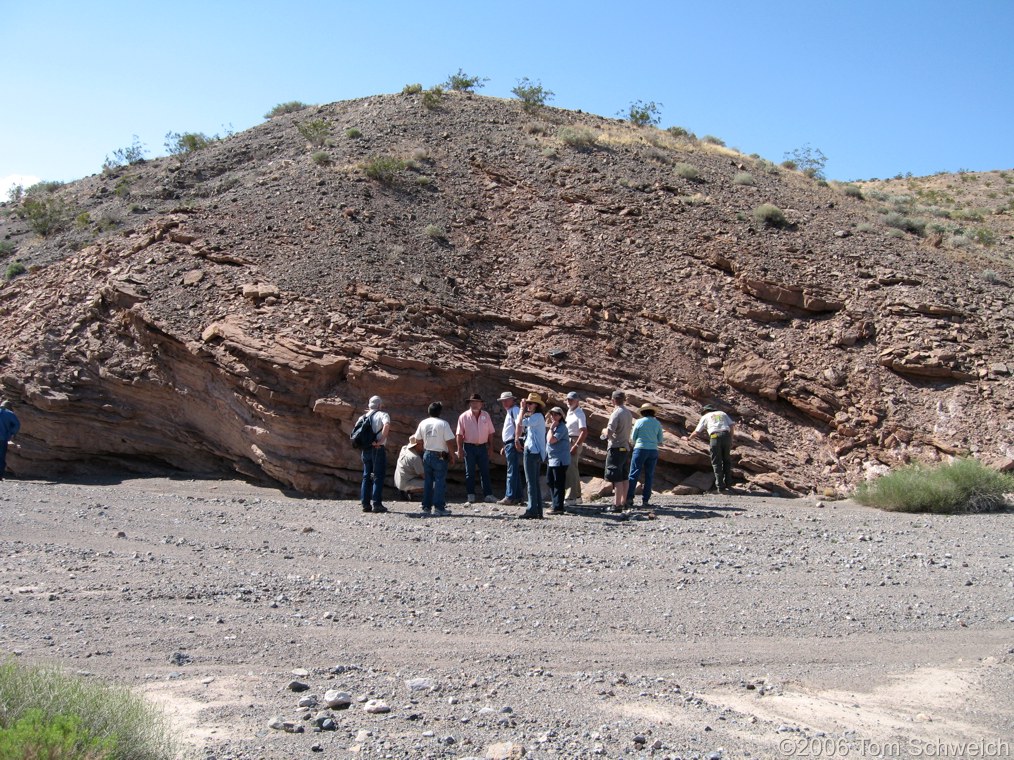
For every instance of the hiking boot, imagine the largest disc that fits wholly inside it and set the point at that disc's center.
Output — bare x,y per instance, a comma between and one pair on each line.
379,508
442,512
367,508
471,498
508,502
490,499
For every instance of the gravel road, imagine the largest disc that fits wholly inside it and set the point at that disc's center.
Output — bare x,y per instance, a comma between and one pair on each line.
716,627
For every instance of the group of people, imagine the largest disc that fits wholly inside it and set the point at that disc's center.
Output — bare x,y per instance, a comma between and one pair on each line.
530,437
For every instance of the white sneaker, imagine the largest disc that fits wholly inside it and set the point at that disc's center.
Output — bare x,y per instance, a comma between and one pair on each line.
571,503
491,499
471,498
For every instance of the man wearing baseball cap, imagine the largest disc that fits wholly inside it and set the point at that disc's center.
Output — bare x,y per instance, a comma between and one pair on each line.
510,452
577,429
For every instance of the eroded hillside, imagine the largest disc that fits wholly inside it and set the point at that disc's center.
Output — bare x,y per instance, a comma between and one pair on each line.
230,310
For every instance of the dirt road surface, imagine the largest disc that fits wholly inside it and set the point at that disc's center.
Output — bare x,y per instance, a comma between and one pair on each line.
714,627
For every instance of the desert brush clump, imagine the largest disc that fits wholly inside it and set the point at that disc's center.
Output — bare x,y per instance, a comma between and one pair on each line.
532,95
769,215
580,138
643,114
462,82
744,178
963,486
314,131
46,713
283,108
129,156
384,169
183,144
687,172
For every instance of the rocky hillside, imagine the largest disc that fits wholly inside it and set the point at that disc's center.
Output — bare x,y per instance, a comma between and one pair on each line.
231,309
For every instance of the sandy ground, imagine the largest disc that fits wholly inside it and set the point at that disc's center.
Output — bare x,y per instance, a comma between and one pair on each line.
716,627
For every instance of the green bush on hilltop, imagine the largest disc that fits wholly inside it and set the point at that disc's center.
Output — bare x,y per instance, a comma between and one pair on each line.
283,108
183,144
462,82
643,114
532,95
412,89
963,486
129,156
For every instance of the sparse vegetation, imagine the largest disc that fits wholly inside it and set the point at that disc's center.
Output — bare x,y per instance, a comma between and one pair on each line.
681,133
963,486
712,140
852,191
283,108
865,227
45,713
687,171
412,89
183,144
435,232
46,215
321,158
744,178
984,236
14,269
7,248
769,215
532,95
383,169
905,223
580,138
811,161
314,131
133,154
643,114
353,134
433,97
462,82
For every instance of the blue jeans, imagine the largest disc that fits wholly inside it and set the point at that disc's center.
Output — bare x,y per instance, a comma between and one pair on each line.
3,458
533,467
374,469
513,457
642,462
557,480
477,454
434,481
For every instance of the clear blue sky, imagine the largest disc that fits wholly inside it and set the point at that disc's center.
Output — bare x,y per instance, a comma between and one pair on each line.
880,86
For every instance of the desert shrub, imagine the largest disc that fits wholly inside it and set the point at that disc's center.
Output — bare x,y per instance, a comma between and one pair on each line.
7,248
642,114
83,220
462,82
183,144
895,233
712,140
46,215
852,191
39,704
321,158
686,171
744,178
984,236
44,187
433,97
412,89
990,276
963,486
697,199
959,241
968,214
769,214
532,95
905,223
681,133
790,165
580,138
133,154
865,227
283,108
435,232
16,194
383,169
122,188
811,161
314,131
353,134
14,269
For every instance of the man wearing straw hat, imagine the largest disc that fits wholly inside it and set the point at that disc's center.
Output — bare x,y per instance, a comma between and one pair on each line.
531,437
409,474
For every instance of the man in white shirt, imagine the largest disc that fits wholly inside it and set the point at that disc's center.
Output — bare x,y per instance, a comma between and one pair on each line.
720,429
437,438
577,429
513,456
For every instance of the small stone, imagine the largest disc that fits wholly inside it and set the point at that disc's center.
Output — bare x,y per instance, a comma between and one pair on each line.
297,686
308,701
376,707
640,739
505,751
300,672
420,684
337,700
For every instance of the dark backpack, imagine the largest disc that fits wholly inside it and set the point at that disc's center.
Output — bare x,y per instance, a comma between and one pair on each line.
363,435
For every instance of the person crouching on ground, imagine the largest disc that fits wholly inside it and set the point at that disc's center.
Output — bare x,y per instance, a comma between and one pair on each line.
409,474
647,437
437,438
532,429
558,461
720,431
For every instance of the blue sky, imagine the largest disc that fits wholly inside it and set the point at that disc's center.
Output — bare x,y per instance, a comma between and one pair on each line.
880,86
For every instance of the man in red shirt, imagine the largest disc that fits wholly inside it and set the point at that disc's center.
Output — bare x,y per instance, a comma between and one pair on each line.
475,443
